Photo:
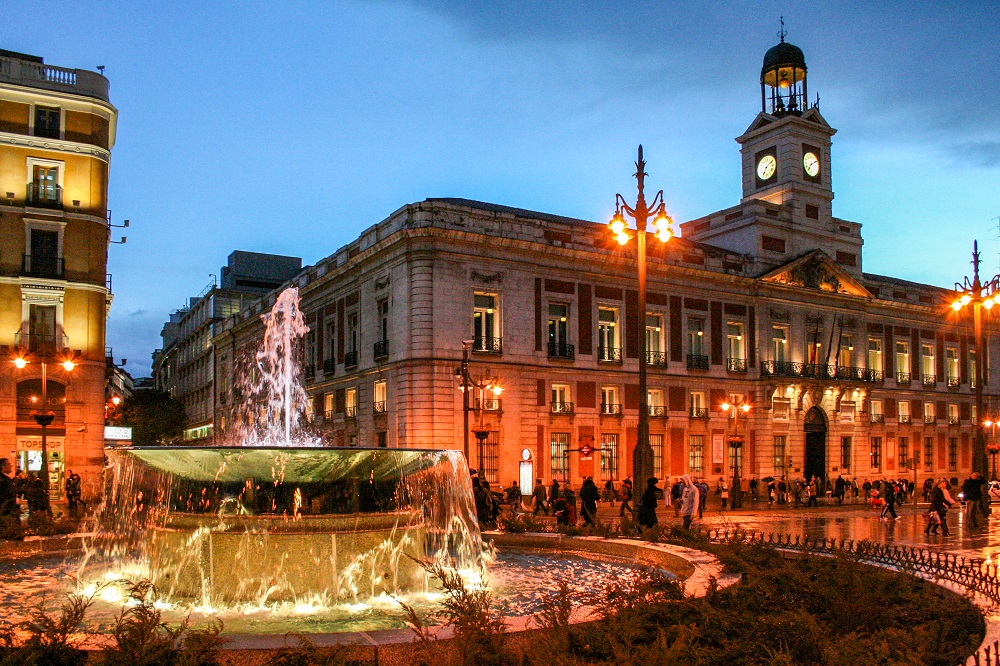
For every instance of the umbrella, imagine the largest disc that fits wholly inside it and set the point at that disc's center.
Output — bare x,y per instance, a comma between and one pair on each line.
768,479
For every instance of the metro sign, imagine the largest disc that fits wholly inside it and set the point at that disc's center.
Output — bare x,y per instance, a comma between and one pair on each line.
586,451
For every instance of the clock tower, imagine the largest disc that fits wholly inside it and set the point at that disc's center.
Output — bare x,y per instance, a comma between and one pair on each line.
787,204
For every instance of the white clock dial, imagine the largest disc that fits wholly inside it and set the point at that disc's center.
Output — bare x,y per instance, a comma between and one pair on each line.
811,164
766,167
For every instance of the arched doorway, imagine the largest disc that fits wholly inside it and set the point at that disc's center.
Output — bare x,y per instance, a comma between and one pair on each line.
815,428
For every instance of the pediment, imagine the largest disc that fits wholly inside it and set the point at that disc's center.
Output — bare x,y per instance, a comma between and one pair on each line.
762,120
816,270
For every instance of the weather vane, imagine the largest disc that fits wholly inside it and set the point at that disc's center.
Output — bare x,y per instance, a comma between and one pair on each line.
782,32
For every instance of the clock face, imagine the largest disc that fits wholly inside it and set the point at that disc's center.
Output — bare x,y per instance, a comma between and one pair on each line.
766,167
811,164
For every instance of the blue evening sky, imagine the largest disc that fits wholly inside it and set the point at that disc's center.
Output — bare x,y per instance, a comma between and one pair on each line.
289,127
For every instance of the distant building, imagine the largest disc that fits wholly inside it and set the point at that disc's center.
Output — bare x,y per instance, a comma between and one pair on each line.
848,373
143,384
185,366
119,387
57,129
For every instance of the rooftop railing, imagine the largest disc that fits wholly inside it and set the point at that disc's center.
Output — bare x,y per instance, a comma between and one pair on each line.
39,75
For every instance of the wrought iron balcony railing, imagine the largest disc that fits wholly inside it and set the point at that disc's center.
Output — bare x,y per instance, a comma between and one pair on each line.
876,418
902,378
43,195
736,364
329,366
699,412
351,412
818,371
487,345
697,362
561,407
328,415
561,350
382,349
929,380
954,381
309,371
350,359
42,265
905,419
930,420
380,407
954,420
656,358
658,411
609,355
611,409
43,343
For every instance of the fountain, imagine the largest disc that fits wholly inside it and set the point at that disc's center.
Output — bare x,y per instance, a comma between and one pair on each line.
279,518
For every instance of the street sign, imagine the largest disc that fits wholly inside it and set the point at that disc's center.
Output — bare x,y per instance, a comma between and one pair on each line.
116,433
586,451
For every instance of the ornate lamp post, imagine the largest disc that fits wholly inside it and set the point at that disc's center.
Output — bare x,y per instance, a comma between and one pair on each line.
642,454
980,295
44,417
484,385
735,409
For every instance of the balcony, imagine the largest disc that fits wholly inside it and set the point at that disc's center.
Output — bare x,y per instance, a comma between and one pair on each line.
903,378
380,407
818,371
41,343
876,418
309,372
697,362
381,349
561,350
699,413
657,411
41,195
929,380
656,358
929,420
351,412
905,419
609,355
42,266
350,359
487,345
736,365
49,77
954,421
611,409
954,382
561,407
329,366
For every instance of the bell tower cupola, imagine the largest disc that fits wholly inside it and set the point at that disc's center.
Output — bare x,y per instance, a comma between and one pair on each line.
783,88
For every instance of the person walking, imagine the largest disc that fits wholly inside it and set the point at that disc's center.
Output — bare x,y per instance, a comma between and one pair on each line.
626,499
648,504
689,501
813,490
554,494
838,489
940,502
754,489
589,495
890,502
675,496
702,497
972,491
514,498
723,492
8,496
538,496
609,492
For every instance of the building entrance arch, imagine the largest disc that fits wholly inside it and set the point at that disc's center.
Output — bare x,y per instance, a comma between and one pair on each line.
815,429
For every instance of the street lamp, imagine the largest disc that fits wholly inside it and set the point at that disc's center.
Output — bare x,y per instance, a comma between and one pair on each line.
642,454
735,409
484,385
980,296
44,418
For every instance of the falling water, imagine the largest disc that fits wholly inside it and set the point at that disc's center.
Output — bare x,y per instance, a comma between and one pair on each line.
277,518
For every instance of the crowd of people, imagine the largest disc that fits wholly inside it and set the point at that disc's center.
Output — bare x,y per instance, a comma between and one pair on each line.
27,490
689,497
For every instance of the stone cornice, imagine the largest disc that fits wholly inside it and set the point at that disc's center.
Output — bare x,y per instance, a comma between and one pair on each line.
57,145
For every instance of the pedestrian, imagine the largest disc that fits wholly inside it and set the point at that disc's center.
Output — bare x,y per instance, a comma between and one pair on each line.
928,488
570,503
626,499
37,495
782,491
838,489
554,493
589,495
648,503
538,496
940,502
483,503
723,492
754,489
814,487
514,498
702,497
675,496
890,502
972,491
494,503
8,496
689,501
609,492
